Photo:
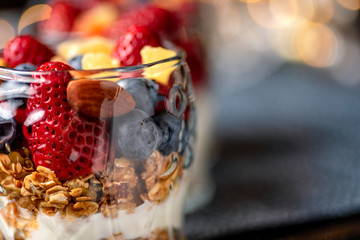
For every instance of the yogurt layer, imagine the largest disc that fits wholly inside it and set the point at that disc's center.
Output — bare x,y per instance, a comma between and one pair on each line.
146,218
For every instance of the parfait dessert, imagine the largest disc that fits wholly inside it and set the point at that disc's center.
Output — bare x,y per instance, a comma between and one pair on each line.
96,138
177,20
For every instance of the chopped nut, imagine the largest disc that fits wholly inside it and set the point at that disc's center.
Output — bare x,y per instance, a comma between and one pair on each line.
59,198
37,183
83,199
158,192
160,175
76,192
80,209
50,211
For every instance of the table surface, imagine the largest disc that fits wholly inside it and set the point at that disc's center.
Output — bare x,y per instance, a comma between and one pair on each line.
287,160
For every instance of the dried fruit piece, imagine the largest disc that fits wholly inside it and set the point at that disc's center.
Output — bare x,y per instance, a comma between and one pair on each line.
98,61
99,98
3,62
160,72
96,19
72,48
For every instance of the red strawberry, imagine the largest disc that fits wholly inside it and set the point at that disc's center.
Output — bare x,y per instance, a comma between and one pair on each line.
128,48
62,17
60,139
150,16
26,49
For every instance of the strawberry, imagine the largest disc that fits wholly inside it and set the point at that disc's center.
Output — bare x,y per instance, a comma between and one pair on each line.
26,49
150,16
62,17
69,144
127,49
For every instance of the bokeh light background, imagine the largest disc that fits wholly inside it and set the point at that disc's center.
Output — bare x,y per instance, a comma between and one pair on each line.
266,33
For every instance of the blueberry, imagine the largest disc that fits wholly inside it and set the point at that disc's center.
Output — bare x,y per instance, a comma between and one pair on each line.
173,131
75,62
26,67
7,128
137,135
144,93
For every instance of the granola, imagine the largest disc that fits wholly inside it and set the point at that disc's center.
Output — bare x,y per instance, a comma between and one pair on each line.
127,186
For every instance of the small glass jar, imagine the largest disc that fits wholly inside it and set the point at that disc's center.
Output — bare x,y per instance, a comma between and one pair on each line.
96,154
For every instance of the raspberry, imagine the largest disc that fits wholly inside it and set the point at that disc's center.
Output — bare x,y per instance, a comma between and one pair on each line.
26,49
150,16
127,50
60,139
62,17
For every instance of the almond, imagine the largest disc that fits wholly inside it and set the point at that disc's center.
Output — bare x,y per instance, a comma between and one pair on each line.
99,98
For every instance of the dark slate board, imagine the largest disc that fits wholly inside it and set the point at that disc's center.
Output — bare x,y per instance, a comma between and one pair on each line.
288,153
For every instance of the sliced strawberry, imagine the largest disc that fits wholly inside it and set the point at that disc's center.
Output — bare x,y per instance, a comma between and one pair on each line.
26,49
60,139
127,49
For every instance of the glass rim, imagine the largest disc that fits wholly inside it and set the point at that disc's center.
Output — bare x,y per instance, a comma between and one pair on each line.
24,76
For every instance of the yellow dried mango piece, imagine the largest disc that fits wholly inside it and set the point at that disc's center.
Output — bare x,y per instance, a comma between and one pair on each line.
98,61
3,63
160,72
92,61
74,47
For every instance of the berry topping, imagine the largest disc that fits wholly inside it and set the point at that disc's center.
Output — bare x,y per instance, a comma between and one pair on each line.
137,135
26,67
171,129
7,127
60,139
144,93
128,48
26,49
62,17
150,16
75,62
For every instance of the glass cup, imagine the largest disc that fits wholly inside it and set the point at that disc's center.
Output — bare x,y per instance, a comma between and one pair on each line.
96,154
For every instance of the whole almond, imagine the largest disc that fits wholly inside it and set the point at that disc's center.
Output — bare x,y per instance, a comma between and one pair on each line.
99,98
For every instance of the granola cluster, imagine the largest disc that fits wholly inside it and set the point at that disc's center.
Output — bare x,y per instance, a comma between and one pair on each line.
126,185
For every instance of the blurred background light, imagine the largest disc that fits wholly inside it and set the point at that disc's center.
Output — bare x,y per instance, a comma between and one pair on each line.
350,4
7,32
316,44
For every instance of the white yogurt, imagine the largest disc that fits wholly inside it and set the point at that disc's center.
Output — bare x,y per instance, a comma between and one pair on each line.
146,218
